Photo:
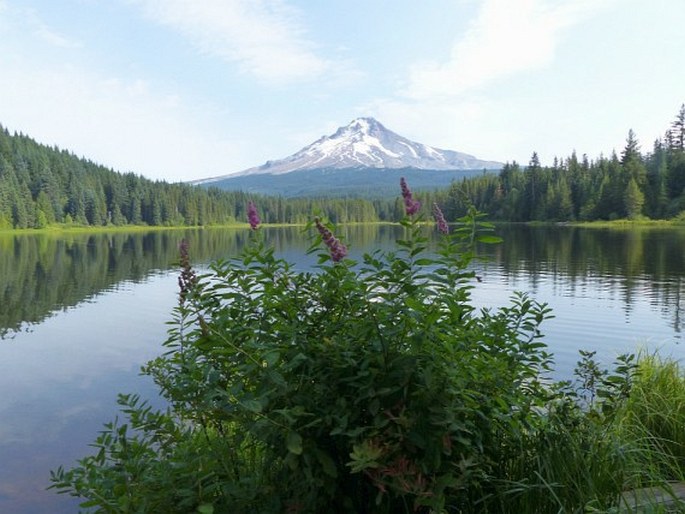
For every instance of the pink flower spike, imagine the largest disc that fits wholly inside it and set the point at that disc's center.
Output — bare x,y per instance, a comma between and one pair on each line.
253,216
337,250
411,206
440,219
187,279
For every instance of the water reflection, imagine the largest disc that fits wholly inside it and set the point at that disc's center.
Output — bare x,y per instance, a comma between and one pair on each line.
58,384
42,274
644,264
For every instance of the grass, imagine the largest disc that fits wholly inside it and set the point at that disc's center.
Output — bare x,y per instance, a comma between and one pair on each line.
654,415
64,228
598,459
678,221
71,228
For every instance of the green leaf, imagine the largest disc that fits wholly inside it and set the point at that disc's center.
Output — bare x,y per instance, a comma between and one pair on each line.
417,251
252,405
294,443
374,406
272,357
364,455
206,508
327,464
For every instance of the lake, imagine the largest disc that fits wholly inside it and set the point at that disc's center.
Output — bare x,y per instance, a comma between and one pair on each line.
80,313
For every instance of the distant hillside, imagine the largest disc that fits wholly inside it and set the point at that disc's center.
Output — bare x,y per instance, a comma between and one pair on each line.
42,185
342,182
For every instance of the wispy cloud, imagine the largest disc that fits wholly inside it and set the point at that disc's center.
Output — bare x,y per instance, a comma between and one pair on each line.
163,134
508,36
51,36
264,37
28,20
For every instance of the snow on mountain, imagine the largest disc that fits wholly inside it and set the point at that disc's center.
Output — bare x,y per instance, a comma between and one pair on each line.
366,143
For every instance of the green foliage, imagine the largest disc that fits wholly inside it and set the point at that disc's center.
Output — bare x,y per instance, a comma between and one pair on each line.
364,385
634,200
373,386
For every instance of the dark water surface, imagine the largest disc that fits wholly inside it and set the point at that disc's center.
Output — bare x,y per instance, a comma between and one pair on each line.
79,315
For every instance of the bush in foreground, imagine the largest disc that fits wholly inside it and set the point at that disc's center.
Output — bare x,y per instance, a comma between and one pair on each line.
364,387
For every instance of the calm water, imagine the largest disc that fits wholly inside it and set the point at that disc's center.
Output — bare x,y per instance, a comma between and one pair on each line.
79,315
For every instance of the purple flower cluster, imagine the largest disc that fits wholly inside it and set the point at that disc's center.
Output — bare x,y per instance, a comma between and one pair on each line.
411,206
187,279
335,247
440,219
253,216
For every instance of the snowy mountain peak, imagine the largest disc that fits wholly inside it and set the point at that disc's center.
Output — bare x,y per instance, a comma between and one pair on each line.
366,143
361,143
364,126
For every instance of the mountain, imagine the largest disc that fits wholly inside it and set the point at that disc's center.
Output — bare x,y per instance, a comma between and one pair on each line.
362,155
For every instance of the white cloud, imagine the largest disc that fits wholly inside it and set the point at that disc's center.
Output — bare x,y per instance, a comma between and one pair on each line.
508,36
264,37
26,19
450,104
49,35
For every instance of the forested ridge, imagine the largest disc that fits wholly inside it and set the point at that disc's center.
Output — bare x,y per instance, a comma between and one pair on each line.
632,185
42,186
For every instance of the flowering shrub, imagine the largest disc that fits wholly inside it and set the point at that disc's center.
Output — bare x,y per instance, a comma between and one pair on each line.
370,386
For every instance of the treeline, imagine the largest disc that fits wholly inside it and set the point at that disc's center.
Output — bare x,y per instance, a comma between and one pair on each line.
631,186
42,186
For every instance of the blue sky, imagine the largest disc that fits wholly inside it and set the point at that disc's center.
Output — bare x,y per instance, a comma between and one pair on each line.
187,89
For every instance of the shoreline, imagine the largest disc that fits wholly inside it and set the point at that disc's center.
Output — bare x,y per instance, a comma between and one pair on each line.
604,224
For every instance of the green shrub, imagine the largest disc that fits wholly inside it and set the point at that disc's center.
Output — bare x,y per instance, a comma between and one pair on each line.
370,386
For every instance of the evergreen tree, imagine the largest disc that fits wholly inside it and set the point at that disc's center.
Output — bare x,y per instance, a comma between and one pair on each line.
678,130
632,149
535,205
634,200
